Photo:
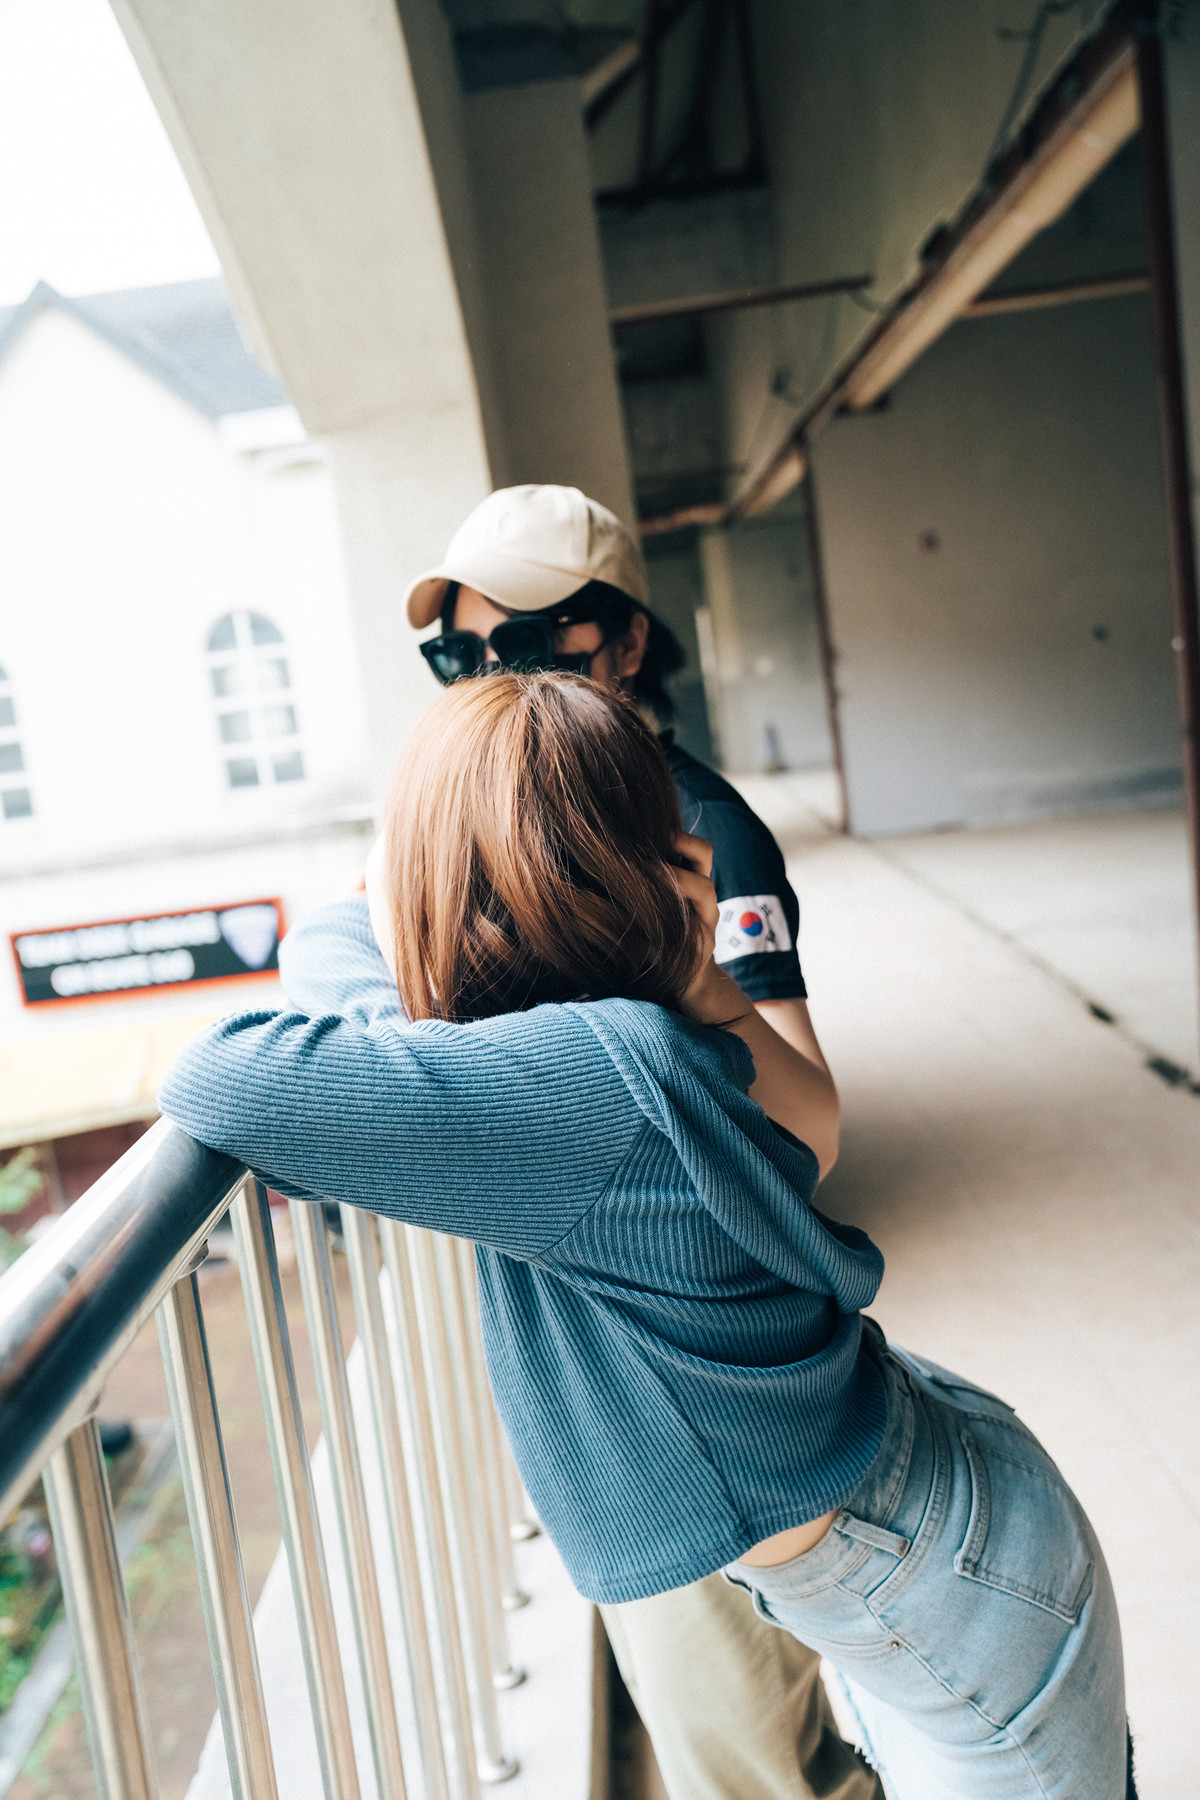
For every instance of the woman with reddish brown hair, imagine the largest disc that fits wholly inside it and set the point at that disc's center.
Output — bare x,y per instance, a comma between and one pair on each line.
556,1068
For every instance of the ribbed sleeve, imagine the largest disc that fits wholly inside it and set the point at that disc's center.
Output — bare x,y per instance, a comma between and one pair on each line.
469,1129
330,963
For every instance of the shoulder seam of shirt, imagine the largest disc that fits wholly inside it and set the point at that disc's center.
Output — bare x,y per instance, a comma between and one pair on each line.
634,1144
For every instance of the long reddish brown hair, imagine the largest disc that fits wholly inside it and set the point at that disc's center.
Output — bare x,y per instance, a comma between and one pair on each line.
528,826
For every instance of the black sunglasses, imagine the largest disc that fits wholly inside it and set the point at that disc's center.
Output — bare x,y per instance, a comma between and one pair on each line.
523,644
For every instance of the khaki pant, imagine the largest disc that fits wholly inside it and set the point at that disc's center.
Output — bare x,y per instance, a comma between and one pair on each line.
734,1707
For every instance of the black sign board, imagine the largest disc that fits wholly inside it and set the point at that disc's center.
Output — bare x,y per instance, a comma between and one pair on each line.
126,956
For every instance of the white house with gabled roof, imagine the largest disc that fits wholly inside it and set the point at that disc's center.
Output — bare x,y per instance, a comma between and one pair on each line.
180,723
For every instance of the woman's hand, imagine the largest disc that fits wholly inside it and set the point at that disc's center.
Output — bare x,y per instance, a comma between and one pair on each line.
378,904
712,997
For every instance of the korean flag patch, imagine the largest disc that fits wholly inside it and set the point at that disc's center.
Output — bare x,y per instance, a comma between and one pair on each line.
750,925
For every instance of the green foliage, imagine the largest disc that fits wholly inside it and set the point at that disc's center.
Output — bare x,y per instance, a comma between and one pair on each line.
29,1592
20,1182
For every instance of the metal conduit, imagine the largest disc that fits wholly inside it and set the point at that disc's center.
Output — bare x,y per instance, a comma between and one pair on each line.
359,1231
69,1308
494,1763
293,1484
109,1678
333,1396
490,1456
414,1387
471,1437
209,1498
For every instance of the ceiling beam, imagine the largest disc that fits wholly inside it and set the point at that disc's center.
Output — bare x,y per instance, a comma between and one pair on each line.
690,306
681,519
1043,188
1089,112
1100,287
610,68
605,98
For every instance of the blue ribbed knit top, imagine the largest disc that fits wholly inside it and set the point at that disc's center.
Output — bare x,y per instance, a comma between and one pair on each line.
673,1332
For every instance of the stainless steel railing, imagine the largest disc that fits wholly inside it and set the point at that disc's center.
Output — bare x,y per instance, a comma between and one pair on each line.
70,1308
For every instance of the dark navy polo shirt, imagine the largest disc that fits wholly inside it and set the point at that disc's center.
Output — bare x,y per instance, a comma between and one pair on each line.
760,915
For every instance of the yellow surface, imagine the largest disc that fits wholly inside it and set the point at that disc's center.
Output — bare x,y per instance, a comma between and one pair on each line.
79,1081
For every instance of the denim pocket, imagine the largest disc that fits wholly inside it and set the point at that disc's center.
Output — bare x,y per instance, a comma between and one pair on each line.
960,1393
1024,1535
829,1619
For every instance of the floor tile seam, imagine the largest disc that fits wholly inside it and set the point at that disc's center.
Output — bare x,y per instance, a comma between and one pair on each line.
1047,994
1020,949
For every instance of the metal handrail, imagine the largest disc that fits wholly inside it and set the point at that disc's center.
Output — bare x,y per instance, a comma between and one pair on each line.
72,1305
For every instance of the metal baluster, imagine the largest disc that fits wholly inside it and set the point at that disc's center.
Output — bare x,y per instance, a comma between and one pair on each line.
472,1437
359,1234
105,1656
214,1538
494,1764
512,1595
293,1483
333,1394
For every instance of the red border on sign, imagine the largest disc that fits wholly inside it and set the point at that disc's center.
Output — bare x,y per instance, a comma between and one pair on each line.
166,987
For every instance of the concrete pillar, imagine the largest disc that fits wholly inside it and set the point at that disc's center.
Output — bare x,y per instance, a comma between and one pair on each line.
721,651
759,645
552,355
325,146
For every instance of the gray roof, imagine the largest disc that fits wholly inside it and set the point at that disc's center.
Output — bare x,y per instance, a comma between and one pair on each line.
185,335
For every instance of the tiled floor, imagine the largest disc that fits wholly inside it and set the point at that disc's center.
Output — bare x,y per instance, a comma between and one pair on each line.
1035,1188
1104,901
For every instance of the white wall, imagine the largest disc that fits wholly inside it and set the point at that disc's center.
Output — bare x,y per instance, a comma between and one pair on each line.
995,559
303,870
129,529
766,699
130,526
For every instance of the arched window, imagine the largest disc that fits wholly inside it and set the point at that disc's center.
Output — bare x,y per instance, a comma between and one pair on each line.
256,716
16,801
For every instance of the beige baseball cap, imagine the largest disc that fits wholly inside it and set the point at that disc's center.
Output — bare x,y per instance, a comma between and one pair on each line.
531,547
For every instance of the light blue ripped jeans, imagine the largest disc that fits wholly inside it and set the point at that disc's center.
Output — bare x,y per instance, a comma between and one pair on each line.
963,1600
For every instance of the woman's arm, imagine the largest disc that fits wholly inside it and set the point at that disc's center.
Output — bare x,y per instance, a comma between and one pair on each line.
331,963
792,1082
792,1021
792,1088
504,1131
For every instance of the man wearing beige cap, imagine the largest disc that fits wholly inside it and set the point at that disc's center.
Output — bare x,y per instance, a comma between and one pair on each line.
542,577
